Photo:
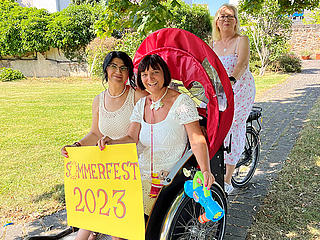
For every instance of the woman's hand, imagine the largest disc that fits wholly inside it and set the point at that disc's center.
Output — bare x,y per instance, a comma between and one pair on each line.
64,151
102,142
208,179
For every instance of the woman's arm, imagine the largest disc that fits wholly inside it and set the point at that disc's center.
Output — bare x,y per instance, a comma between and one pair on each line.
243,57
131,137
93,136
200,150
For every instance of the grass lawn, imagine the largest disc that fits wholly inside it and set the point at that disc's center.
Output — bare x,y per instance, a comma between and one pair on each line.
38,117
291,209
269,80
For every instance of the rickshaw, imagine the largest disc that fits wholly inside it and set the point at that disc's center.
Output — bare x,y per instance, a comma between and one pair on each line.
197,71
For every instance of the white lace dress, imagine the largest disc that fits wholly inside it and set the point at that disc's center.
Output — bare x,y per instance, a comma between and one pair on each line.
169,140
115,124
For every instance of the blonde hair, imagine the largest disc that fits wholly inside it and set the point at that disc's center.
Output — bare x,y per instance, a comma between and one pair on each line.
215,31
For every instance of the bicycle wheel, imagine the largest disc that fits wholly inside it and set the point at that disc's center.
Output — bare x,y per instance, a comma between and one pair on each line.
247,164
184,223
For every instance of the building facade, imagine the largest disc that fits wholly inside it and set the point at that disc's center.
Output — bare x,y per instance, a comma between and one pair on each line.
50,5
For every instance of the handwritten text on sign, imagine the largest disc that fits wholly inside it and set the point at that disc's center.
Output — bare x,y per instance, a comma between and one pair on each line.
103,190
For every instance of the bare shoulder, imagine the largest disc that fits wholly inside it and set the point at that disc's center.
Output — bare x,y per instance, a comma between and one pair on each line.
138,93
244,38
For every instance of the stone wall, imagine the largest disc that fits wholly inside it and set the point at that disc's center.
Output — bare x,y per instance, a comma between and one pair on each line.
49,64
305,37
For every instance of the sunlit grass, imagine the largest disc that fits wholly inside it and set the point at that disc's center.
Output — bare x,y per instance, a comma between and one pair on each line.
292,208
38,117
269,80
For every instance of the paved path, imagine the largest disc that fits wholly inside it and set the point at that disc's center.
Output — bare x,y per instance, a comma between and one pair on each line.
284,109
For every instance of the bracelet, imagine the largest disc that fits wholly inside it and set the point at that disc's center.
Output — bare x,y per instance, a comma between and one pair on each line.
77,144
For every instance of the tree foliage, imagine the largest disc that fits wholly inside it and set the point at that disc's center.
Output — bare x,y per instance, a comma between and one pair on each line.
285,6
195,19
268,31
24,30
72,29
313,17
145,16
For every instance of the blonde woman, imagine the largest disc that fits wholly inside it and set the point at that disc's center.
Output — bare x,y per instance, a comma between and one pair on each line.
234,52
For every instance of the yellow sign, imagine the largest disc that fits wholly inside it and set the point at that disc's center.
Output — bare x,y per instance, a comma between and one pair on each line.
103,190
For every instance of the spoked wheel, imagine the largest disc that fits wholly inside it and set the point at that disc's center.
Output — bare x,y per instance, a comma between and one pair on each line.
184,224
247,164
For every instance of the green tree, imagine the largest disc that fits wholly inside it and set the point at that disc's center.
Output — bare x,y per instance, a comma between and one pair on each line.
72,29
285,6
268,31
313,17
144,16
195,19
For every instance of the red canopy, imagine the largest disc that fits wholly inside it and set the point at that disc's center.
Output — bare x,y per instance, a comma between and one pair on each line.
184,53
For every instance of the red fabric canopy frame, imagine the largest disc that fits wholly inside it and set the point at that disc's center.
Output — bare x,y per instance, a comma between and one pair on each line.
184,53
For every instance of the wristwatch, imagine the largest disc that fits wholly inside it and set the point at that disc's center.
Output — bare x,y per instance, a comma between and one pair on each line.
232,79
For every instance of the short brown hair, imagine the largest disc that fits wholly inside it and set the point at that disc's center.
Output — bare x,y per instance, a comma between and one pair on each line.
155,62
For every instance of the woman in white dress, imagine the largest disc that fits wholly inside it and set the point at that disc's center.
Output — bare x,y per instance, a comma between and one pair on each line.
163,122
112,108
234,52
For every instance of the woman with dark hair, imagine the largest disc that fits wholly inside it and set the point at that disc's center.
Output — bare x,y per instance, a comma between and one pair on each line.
163,122
112,108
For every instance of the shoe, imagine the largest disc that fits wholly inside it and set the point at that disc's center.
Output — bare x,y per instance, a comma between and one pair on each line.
228,188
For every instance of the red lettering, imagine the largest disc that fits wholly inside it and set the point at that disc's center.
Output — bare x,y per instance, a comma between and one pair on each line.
108,171
94,200
101,171
68,167
135,164
87,170
124,209
105,202
123,168
77,207
93,171
116,170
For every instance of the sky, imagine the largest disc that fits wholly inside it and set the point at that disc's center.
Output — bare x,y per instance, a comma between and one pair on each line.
213,4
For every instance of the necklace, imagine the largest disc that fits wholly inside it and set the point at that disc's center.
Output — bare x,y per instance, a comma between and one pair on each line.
158,104
117,95
225,49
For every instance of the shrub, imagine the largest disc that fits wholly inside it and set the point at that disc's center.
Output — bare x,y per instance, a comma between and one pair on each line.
8,74
72,29
195,19
289,63
96,51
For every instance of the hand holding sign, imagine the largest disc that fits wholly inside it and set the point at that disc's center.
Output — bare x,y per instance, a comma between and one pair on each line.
103,190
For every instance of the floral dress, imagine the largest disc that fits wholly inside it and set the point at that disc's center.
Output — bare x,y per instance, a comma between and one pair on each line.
244,93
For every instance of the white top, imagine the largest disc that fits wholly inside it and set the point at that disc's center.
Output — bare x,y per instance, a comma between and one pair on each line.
115,124
169,135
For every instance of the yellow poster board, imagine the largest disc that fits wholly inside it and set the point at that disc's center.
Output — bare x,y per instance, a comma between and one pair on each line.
103,190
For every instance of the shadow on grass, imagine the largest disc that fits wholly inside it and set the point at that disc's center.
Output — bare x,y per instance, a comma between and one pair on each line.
57,193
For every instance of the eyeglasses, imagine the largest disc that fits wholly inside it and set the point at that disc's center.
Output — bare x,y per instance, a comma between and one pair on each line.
114,67
226,17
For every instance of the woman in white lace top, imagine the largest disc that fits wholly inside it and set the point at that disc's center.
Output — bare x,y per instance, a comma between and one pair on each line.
163,121
112,108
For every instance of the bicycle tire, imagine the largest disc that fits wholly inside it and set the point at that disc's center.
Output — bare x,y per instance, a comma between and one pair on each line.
249,159
185,225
